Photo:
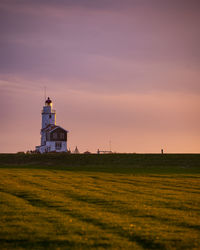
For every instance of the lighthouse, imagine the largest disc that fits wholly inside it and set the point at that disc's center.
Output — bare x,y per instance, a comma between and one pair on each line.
53,137
48,114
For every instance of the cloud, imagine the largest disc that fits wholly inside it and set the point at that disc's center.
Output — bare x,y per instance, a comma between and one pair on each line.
102,46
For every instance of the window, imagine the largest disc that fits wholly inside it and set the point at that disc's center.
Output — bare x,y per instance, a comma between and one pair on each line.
62,135
54,136
50,116
58,145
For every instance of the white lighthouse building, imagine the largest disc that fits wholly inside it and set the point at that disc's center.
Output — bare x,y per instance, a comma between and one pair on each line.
53,137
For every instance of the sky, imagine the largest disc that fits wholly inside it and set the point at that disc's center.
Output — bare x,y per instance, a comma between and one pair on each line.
119,71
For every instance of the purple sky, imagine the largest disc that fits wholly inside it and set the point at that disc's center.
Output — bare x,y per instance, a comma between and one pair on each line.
126,71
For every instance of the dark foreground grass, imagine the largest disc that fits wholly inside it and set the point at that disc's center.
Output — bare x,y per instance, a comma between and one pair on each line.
112,202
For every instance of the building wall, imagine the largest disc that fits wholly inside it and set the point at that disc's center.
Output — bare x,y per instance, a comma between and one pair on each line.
51,146
43,138
48,116
57,134
41,149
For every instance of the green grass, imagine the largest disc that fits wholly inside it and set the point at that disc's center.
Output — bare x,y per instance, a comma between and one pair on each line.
97,201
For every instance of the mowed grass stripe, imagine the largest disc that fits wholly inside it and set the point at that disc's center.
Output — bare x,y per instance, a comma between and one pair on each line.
156,193
134,192
152,194
111,213
66,212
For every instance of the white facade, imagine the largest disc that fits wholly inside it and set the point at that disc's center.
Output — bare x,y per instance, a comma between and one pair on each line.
48,116
52,146
58,146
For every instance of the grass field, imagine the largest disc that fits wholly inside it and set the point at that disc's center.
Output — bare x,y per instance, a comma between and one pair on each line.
99,201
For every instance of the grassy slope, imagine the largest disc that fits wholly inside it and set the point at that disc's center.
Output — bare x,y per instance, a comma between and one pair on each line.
100,201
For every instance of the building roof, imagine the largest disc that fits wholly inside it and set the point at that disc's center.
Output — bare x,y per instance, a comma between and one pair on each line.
51,127
76,151
48,101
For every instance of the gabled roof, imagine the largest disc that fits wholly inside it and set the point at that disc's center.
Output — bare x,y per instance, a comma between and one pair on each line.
49,127
56,128
52,127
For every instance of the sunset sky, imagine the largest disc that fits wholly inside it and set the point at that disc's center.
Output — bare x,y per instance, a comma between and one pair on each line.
121,70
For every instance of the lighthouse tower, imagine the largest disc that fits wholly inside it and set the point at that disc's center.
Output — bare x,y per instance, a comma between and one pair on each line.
48,118
48,114
53,137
